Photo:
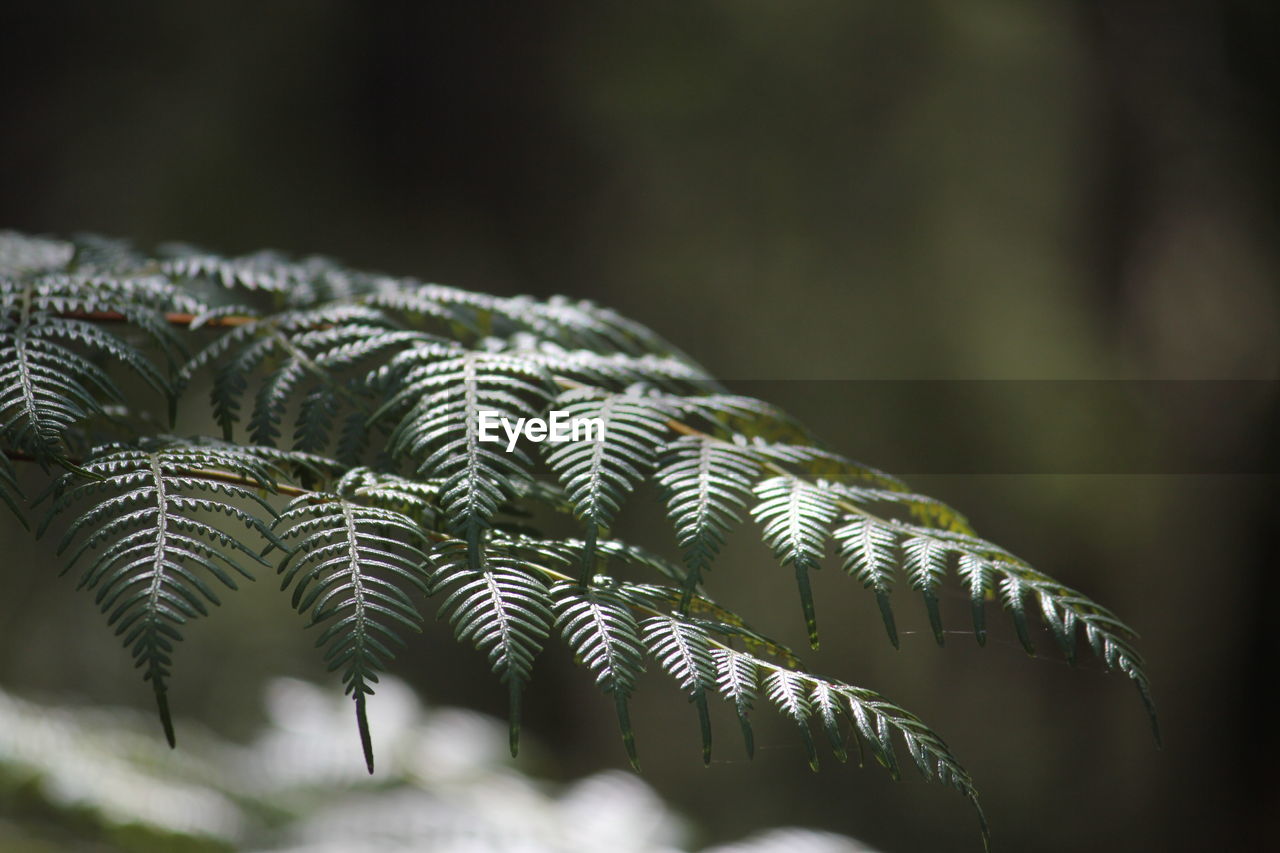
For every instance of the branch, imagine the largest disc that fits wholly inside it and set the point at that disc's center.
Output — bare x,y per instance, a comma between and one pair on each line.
210,474
174,318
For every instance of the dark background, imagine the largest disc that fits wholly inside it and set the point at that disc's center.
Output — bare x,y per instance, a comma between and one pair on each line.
987,190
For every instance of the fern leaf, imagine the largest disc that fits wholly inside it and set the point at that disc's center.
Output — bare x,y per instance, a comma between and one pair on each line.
448,387
319,356
738,679
47,386
307,349
353,568
789,692
869,551
918,508
684,651
106,255
358,356
501,607
707,485
154,547
1013,593
598,475
599,627
799,696
925,562
265,271
613,371
705,613
983,565
450,308
796,515
415,498
825,701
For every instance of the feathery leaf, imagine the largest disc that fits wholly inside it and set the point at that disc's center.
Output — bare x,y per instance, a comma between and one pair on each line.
353,568
602,632
796,515
869,551
154,547
501,606
707,485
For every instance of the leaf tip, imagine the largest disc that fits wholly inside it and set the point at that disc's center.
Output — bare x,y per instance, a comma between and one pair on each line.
366,740
166,721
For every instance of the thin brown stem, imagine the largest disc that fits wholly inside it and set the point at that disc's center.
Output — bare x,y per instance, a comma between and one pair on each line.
211,474
173,318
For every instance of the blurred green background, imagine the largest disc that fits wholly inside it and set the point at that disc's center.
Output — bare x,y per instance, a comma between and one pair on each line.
987,190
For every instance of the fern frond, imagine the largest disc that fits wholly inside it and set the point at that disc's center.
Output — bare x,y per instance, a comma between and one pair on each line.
47,382
617,371
925,562
445,388
154,547
789,694
353,567
309,349
597,475
917,508
683,648
975,572
629,336
263,271
598,625
415,498
986,569
796,516
502,607
356,357
554,557
450,309
707,485
319,355
571,324
869,551
1065,610
739,681
717,621
801,696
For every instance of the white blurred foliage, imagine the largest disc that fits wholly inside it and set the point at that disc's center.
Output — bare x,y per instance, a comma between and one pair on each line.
792,840
444,783
103,761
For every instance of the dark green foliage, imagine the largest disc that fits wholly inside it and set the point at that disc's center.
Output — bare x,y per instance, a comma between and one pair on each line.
153,549
442,389
868,550
598,624
597,475
382,491
707,485
500,606
796,515
48,383
352,566
684,650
